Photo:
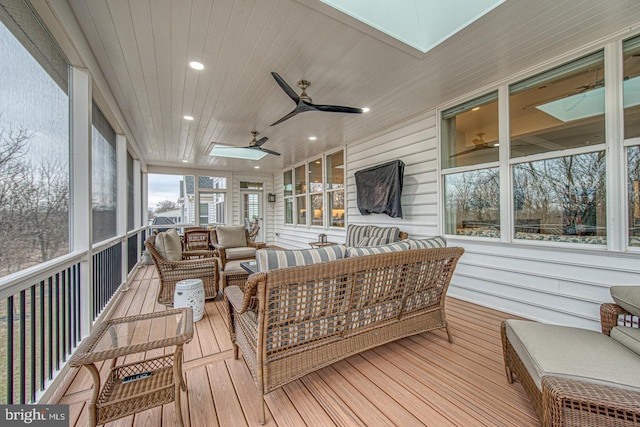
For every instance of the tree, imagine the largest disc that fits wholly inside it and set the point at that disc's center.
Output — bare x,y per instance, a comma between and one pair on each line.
166,205
34,205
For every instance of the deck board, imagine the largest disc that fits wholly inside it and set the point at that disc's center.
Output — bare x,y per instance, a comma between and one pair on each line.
419,380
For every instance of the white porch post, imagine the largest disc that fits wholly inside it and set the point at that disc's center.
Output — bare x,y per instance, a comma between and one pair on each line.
121,203
617,227
81,224
137,208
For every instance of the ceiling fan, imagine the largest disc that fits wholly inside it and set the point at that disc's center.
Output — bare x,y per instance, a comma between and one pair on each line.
479,144
304,102
257,145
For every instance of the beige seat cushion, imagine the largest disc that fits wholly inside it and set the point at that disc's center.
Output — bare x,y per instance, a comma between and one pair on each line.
168,245
573,353
231,236
233,266
240,253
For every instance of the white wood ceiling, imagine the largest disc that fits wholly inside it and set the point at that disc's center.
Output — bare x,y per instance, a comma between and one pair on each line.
143,47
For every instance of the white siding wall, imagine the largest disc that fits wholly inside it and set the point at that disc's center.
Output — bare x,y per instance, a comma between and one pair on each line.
549,284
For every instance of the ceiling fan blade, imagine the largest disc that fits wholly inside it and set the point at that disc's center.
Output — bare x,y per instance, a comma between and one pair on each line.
266,150
288,116
286,88
261,141
337,109
471,150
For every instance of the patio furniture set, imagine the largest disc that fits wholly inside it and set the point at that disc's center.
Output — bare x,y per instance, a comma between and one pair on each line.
292,312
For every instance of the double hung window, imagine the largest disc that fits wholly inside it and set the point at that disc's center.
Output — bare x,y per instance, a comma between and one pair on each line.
554,170
314,192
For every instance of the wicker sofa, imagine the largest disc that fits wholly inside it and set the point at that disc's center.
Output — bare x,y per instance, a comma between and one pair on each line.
577,377
289,322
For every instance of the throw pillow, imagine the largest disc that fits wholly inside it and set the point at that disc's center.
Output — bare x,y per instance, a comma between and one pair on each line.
169,246
272,259
627,297
355,233
232,236
434,242
390,234
370,250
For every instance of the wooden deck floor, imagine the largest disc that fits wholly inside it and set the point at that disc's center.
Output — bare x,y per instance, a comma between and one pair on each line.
421,380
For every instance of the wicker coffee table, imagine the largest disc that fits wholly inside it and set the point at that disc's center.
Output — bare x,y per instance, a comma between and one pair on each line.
135,387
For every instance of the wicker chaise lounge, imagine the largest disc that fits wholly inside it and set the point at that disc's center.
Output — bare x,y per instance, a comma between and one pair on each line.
577,377
289,322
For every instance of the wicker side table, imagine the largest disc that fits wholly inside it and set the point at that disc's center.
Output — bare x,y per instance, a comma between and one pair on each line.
141,385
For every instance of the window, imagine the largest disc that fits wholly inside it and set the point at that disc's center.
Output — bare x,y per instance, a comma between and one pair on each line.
212,203
559,195
311,187
470,133
212,208
556,158
288,199
165,198
469,156
34,143
472,201
301,194
104,176
631,96
334,185
316,195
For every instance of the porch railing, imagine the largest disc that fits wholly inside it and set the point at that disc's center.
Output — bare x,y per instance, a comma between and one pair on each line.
41,315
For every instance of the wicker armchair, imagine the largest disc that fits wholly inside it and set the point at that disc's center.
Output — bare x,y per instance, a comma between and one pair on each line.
233,243
197,239
194,265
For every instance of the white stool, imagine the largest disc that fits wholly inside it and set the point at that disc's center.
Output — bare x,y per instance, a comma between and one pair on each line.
190,293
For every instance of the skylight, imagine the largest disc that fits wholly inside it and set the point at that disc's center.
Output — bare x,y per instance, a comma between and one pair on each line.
236,152
589,104
421,24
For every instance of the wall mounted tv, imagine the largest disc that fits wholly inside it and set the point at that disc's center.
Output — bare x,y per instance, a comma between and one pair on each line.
379,189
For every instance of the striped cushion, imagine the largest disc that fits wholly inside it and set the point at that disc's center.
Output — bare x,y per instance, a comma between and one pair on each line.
372,241
272,259
434,242
389,234
370,250
355,233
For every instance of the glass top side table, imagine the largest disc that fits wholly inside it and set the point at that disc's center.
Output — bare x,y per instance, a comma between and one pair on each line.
138,386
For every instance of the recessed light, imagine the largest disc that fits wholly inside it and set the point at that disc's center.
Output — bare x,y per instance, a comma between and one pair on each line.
185,161
188,117
365,110
256,167
475,108
196,65
497,144
313,138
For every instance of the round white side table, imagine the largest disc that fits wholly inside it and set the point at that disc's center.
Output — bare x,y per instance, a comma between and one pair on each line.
190,293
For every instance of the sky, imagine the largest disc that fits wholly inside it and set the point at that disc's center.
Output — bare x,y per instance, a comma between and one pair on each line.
163,187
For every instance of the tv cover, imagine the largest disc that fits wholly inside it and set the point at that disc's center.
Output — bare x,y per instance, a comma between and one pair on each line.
379,189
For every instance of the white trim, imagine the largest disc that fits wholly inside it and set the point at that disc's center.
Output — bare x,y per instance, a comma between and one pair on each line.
81,228
617,202
506,176
549,155
460,169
